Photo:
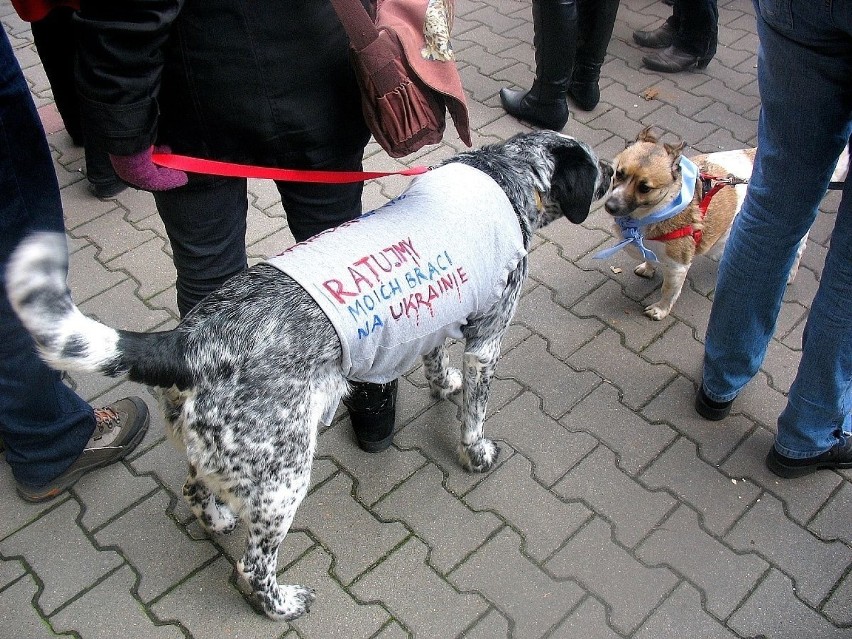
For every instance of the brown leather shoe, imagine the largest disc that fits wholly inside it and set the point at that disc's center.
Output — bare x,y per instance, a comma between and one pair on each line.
659,38
672,60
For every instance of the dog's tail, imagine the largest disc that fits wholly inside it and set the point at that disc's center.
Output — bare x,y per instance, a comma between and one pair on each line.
68,340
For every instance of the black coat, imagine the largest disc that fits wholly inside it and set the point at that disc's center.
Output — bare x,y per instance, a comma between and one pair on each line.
267,81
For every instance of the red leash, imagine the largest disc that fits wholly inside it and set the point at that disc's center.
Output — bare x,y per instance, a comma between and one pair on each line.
230,169
702,207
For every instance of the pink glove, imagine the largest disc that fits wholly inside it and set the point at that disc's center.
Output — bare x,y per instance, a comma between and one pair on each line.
141,172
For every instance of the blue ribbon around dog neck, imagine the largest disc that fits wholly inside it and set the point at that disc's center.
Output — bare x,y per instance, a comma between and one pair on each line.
631,230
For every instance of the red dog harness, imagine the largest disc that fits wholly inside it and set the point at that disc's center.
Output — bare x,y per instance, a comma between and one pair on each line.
709,192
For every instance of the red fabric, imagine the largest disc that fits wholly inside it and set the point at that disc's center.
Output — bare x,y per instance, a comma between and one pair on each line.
687,230
229,169
35,10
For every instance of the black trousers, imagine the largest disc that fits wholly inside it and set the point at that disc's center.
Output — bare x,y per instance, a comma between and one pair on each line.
206,223
696,25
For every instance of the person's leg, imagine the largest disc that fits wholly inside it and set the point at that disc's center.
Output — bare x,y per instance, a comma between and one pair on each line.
56,46
819,405
555,23
44,424
803,74
596,21
693,43
206,224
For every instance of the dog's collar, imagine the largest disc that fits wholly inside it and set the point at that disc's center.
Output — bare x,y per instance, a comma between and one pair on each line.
631,229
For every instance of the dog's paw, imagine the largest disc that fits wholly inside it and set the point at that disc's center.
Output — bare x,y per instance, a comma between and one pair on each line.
655,312
645,270
279,603
453,384
216,516
480,456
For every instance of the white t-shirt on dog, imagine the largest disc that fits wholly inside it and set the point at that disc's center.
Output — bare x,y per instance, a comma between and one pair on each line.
400,280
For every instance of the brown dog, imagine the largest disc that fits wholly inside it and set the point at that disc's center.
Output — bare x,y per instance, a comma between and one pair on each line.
651,179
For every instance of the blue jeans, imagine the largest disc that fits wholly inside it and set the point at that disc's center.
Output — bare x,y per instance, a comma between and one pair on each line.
805,79
43,423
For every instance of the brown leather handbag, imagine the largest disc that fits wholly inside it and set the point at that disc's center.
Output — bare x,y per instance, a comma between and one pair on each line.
406,71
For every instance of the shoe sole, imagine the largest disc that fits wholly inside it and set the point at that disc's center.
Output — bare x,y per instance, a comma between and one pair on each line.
708,412
792,472
67,482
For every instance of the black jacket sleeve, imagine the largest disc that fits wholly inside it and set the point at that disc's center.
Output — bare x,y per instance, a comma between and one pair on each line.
119,70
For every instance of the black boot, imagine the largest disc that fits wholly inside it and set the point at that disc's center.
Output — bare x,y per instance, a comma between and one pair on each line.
555,25
597,18
659,38
372,410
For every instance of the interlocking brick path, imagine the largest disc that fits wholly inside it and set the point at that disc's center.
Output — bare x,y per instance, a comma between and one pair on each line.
615,511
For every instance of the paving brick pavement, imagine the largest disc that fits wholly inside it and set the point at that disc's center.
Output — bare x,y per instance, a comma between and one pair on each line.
615,511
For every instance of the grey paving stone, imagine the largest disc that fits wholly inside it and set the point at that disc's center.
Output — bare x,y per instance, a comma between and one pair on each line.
15,513
150,265
599,482
377,473
637,379
725,577
635,441
682,616
155,546
437,610
17,614
451,530
10,570
719,500
568,282
60,555
545,442
491,626
802,497
119,307
87,277
589,619
532,599
716,441
209,607
832,521
121,616
775,612
559,385
605,569
544,520
333,515
108,491
814,565
837,607
334,613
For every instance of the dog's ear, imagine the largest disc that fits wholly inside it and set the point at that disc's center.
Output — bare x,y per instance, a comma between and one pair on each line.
572,186
674,151
645,135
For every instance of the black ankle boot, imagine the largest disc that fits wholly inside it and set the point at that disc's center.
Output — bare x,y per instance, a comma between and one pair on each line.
372,410
555,26
545,107
596,21
584,90
659,38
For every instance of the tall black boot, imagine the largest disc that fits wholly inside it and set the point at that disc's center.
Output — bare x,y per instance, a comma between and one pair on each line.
372,410
555,25
597,18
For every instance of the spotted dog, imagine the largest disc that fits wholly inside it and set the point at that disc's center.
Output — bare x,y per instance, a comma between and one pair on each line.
246,377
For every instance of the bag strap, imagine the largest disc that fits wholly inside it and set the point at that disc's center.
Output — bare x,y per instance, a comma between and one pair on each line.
230,169
357,22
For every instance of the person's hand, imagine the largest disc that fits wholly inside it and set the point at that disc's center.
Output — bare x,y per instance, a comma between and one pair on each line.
140,171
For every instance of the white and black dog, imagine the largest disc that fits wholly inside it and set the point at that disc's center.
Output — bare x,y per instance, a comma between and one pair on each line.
246,376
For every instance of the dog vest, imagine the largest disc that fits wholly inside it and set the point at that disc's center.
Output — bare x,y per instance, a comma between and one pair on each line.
398,281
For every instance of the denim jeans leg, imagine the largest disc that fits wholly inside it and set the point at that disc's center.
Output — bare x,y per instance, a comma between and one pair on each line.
820,400
43,423
803,126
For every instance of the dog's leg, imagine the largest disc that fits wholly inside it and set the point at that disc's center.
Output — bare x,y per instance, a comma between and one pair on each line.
213,514
271,511
799,252
443,380
674,275
646,270
477,453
